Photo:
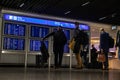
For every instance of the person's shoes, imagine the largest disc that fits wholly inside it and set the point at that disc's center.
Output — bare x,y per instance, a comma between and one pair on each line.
105,68
78,67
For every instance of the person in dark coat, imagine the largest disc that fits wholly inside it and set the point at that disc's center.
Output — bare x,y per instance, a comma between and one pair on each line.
104,46
118,43
78,47
93,54
59,40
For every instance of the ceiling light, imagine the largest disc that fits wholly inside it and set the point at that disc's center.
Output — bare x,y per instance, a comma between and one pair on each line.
22,5
114,14
102,18
67,12
86,3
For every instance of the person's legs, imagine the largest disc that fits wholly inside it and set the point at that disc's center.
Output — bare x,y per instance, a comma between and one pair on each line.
106,61
106,64
79,59
119,53
85,57
61,49
56,58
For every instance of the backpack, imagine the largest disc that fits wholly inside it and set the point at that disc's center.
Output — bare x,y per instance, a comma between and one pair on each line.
85,38
111,42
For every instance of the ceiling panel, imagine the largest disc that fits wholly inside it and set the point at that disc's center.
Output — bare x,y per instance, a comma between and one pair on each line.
104,11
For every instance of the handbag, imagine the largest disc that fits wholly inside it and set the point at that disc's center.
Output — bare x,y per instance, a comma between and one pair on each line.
71,44
101,57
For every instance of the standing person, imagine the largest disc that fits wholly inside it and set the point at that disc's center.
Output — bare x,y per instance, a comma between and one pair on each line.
85,50
118,43
78,45
59,40
93,54
104,46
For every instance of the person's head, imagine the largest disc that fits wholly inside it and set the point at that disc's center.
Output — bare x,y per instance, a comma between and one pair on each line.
76,25
59,28
102,30
92,45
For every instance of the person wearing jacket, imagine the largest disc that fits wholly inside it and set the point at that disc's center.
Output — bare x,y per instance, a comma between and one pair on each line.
78,47
59,40
118,43
104,46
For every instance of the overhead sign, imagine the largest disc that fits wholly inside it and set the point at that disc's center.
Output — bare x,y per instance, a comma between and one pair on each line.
43,21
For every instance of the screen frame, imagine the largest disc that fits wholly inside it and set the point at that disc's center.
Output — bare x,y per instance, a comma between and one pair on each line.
40,21
13,23
40,45
39,26
11,49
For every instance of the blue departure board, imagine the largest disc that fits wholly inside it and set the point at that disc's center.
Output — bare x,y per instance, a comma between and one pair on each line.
13,44
66,48
52,23
14,29
84,27
36,44
39,31
67,33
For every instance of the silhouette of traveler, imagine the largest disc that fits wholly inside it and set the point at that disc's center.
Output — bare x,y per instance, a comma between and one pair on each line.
118,43
104,46
78,45
59,40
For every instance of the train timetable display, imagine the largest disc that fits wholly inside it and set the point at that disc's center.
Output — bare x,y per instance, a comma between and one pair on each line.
66,48
67,33
14,29
39,31
36,44
13,44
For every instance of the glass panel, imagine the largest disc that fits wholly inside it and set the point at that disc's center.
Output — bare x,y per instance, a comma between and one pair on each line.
14,29
36,44
39,31
13,44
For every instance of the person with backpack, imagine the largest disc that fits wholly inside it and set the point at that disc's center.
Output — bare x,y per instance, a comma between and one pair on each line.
104,46
59,40
78,47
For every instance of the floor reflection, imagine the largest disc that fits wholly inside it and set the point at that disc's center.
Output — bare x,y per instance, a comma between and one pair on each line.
61,74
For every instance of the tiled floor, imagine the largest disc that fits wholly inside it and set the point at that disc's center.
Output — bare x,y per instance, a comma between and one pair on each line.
60,74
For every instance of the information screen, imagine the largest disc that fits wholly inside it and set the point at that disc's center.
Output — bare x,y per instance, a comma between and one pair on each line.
39,31
67,33
36,44
13,44
14,29
84,27
66,48
52,23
